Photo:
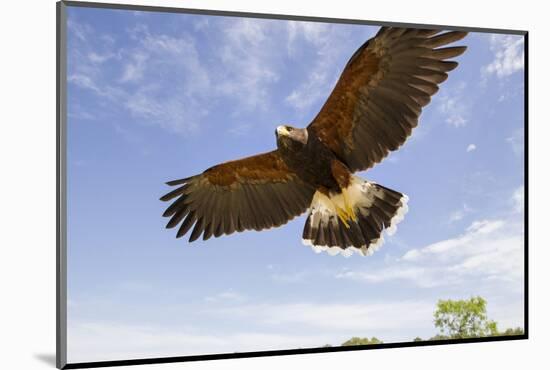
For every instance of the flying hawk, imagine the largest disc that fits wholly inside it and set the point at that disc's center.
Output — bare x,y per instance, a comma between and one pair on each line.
371,111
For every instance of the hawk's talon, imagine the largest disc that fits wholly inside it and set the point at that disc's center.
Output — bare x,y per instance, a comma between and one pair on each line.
348,208
343,216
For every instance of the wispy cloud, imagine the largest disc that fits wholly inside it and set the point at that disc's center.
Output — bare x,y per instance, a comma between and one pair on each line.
100,58
460,213
508,53
133,71
453,106
340,317
382,275
101,341
327,43
488,250
80,30
511,91
152,60
323,73
250,67
290,277
201,24
518,199
313,32
162,78
471,148
264,325
445,247
226,296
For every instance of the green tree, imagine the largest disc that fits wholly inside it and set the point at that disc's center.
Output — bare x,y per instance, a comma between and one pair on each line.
355,341
463,319
439,337
510,331
417,339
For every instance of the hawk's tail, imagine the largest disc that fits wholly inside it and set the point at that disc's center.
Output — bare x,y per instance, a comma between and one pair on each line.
353,221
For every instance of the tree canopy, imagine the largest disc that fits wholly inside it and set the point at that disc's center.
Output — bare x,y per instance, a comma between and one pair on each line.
355,341
464,318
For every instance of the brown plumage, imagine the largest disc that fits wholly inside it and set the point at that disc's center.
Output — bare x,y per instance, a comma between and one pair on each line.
379,97
371,111
252,193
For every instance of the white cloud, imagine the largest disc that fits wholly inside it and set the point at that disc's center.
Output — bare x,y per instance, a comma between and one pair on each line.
518,199
456,120
453,105
471,148
315,33
201,24
261,326
330,53
289,277
488,250
485,226
512,91
408,273
250,61
163,79
100,58
225,296
458,246
456,215
366,317
172,114
508,55
88,82
102,341
242,62
134,70
316,86
323,72
151,62
459,214
249,327
80,30
84,82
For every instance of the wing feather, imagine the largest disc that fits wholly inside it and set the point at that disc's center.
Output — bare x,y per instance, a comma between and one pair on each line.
381,92
256,192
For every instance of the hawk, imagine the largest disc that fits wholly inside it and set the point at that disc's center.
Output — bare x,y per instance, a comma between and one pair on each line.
371,111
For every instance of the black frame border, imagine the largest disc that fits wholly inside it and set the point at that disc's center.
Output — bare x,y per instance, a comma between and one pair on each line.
61,195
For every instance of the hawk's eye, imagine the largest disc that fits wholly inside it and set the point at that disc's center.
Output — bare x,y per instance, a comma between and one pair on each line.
289,128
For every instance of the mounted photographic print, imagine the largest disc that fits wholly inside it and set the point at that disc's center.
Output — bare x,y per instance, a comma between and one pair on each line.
234,184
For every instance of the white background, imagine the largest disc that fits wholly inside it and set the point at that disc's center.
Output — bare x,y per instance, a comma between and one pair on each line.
27,180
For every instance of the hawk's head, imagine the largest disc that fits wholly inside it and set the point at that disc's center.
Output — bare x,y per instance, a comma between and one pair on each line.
285,133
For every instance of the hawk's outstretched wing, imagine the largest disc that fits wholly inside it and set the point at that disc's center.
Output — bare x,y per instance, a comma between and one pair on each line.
256,192
380,94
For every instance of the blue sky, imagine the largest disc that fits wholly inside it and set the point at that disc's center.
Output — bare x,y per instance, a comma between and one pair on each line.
154,97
